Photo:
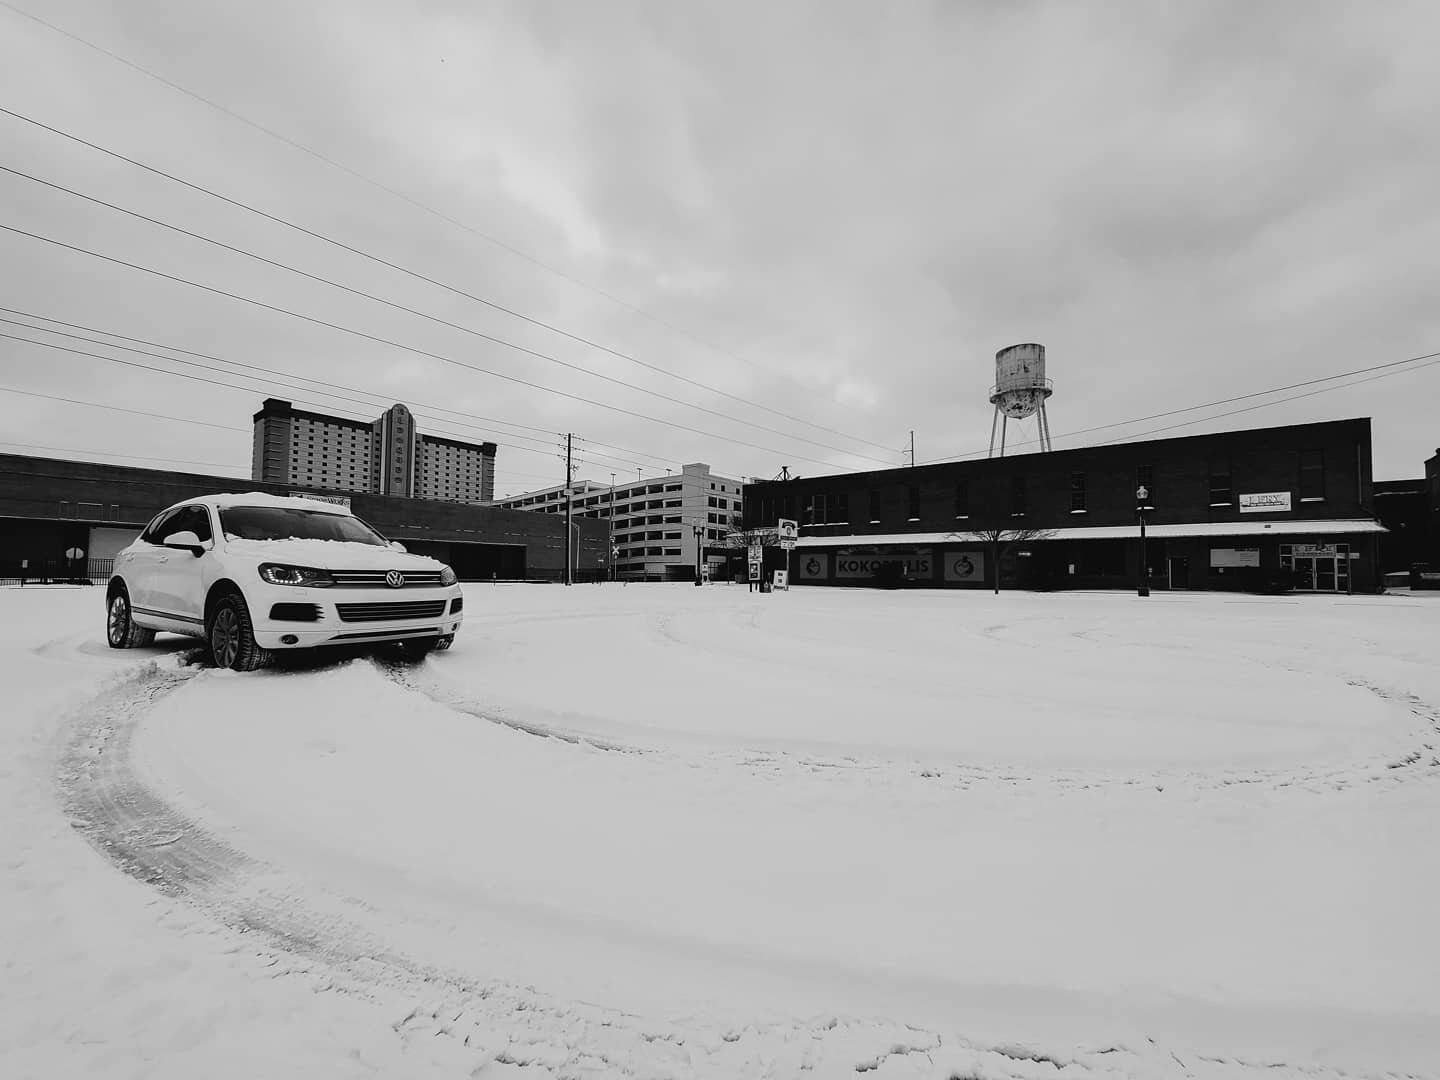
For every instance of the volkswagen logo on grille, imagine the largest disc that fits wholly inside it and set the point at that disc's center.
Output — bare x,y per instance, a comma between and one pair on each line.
395,579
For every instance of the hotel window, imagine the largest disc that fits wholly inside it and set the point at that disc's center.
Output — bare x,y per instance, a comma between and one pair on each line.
1221,493
1077,492
914,503
1017,496
1312,475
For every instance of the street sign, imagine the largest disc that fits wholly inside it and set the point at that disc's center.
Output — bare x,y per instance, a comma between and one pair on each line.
787,545
786,529
782,580
754,571
755,553
74,553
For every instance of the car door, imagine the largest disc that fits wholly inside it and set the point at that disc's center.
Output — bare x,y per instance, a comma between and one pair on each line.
179,577
143,563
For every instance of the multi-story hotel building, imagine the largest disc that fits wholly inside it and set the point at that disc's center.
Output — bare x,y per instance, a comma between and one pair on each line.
658,524
386,457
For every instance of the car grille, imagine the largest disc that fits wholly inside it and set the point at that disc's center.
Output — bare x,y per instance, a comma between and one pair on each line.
418,609
414,579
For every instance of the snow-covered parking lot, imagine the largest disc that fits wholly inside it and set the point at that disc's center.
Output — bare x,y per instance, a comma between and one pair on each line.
667,831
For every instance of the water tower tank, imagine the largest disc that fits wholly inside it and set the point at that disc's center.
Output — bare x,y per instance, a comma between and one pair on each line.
1020,384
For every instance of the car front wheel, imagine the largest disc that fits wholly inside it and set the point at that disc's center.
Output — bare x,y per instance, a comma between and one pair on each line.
232,636
120,629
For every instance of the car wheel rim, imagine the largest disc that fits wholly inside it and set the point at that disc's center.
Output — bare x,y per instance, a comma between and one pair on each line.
225,638
119,616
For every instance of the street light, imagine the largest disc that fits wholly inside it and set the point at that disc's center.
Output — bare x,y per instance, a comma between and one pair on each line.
699,549
1142,493
612,526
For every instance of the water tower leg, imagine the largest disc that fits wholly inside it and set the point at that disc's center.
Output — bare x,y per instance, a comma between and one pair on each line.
1044,430
1004,427
994,419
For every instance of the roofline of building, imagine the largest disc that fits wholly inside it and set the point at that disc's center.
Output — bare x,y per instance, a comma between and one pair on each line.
981,462
277,407
486,448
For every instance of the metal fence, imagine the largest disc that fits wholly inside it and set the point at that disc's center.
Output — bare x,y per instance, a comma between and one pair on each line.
55,571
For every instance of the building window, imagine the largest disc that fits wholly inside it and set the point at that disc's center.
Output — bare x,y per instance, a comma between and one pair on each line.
1077,492
1221,493
1017,496
839,508
1145,477
913,503
962,498
1312,475
874,506
814,512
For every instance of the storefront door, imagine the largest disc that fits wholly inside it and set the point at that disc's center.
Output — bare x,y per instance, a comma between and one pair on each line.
1304,573
1179,572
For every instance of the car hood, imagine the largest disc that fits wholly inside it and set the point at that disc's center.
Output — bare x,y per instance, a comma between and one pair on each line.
331,555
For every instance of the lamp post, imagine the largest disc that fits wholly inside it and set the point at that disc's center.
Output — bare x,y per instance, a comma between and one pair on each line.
612,526
699,549
1141,495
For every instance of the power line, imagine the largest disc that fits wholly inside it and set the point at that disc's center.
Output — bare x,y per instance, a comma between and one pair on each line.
415,311
162,460
196,378
278,380
116,408
382,187
397,345
409,272
1223,401
252,367
271,382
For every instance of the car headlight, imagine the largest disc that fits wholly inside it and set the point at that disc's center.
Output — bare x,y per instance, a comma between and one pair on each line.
279,574
447,576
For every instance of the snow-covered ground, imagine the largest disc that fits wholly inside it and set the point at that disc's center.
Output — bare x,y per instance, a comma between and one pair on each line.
667,831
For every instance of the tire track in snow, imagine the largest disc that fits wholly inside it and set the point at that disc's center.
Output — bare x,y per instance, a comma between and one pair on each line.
492,1023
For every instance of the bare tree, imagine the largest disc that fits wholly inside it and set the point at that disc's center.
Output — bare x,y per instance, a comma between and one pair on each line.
999,539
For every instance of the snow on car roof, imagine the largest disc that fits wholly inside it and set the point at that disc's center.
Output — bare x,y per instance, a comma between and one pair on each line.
260,498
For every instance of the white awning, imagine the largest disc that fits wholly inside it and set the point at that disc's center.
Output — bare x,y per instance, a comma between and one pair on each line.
1256,529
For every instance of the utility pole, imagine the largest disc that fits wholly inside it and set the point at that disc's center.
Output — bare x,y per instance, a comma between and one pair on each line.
912,448
569,471
612,526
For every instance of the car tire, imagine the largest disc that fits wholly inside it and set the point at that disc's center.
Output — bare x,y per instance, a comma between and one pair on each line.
120,629
231,635
416,649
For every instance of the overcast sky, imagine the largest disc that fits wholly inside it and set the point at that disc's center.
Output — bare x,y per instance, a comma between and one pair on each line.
836,210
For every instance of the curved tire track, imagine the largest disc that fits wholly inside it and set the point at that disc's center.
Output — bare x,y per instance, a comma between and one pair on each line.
145,837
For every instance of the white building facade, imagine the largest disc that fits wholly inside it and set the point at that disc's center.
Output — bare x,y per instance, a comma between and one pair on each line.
661,526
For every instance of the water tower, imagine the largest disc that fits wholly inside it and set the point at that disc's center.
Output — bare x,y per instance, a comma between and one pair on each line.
1020,390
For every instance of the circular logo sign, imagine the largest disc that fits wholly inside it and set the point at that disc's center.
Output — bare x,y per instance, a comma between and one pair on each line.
395,579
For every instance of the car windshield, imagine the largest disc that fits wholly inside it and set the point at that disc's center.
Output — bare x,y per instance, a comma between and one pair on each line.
285,523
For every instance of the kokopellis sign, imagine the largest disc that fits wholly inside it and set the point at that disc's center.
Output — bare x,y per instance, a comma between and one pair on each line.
916,563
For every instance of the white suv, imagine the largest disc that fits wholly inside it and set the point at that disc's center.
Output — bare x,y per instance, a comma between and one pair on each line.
254,573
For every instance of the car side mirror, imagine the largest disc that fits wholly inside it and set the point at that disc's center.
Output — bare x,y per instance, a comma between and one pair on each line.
186,540
396,545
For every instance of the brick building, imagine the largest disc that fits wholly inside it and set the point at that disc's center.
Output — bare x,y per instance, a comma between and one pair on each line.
388,456
49,506
1224,511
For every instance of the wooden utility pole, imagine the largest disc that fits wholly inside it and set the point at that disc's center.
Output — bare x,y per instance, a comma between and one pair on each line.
912,448
569,472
